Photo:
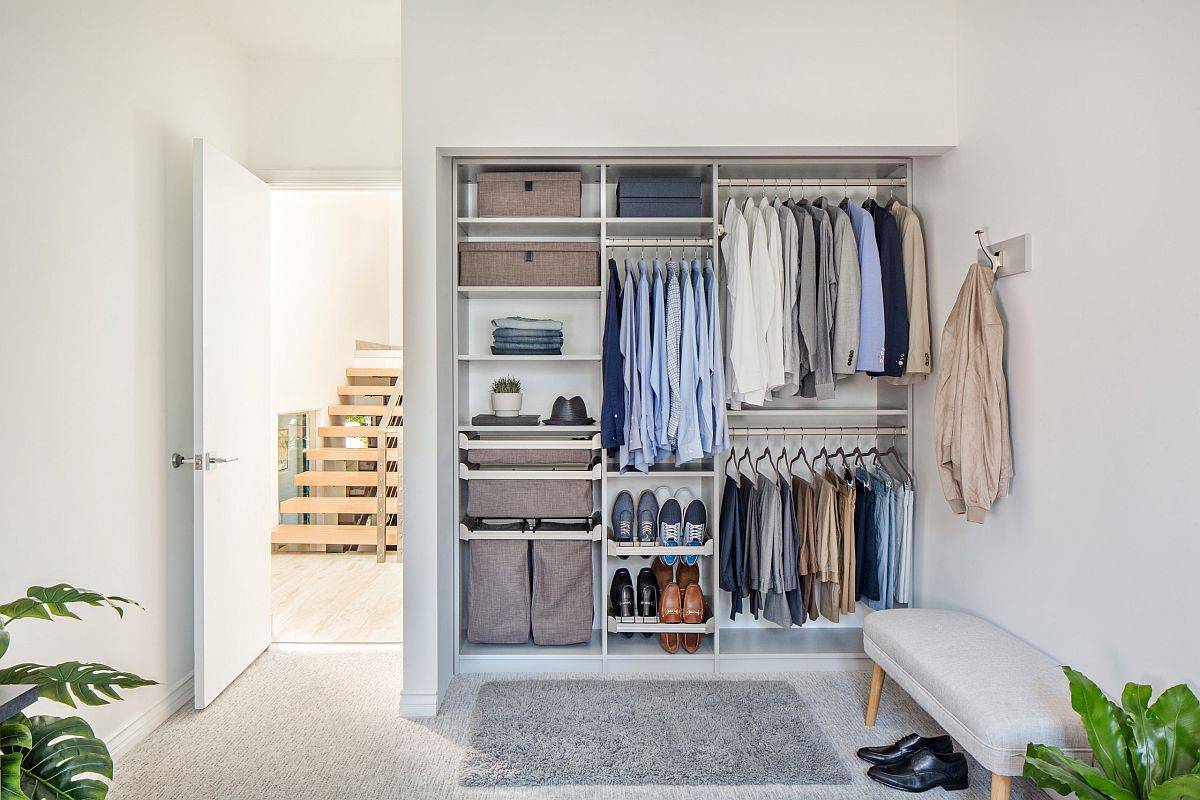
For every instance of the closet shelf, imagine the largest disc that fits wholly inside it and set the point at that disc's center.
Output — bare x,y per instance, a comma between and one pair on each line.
540,443
616,626
468,474
467,535
646,649
661,473
663,226
589,649
818,412
490,357
530,226
645,551
529,292
550,430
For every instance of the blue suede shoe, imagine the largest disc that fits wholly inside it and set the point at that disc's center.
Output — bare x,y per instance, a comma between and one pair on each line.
647,518
622,519
670,528
695,527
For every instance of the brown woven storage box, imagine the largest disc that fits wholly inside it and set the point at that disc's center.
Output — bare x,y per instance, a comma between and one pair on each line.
498,595
562,592
529,264
529,194
529,499
524,457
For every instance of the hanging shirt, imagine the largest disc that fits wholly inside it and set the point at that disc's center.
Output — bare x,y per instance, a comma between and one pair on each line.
612,409
688,447
720,440
826,300
806,524
770,218
645,421
658,361
743,359
870,316
631,447
849,290
895,297
829,592
912,242
806,303
731,544
766,293
704,360
787,306
674,333
846,502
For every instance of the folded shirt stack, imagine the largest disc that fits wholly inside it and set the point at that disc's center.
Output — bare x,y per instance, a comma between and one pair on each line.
519,336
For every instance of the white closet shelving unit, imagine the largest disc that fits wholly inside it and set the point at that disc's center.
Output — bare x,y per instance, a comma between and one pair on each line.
743,644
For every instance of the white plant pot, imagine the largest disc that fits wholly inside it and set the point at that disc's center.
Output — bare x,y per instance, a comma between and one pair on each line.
506,404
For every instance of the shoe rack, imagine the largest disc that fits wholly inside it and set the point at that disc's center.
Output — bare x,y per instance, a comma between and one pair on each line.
742,645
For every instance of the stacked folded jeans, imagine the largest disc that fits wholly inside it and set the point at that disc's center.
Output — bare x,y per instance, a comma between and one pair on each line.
519,336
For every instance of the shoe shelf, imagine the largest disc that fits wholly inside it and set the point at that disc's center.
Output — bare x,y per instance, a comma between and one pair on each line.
539,443
648,551
525,430
647,648
509,474
467,534
618,625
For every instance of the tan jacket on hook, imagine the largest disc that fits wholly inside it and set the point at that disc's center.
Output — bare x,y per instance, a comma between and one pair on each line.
913,243
970,410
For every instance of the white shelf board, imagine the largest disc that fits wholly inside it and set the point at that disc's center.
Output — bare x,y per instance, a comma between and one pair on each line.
818,412
518,474
805,642
529,292
549,430
663,227
615,549
491,357
616,626
662,473
642,647
529,226
589,649
539,443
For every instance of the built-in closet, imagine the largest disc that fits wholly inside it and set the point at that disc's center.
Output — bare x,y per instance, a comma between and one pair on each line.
864,411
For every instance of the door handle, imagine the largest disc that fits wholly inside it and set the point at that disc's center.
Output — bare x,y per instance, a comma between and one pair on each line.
217,459
200,461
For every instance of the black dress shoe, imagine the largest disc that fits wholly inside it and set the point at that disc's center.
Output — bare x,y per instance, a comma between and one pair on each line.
647,597
901,750
922,772
620,597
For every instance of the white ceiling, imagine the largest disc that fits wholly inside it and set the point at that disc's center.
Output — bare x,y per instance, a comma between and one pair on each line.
309,28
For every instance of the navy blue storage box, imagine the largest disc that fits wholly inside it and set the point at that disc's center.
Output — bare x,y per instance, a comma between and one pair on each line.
659,197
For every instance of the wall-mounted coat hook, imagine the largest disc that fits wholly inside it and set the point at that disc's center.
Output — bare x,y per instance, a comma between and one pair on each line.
1007,257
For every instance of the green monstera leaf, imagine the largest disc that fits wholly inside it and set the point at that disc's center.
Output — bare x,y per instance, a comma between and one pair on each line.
15,742
1185,787
45,602
90,684
64,761
4,639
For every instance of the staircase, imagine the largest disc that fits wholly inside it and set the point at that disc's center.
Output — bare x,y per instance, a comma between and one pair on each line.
351,494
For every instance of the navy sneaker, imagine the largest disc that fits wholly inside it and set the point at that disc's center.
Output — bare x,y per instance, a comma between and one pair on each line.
622,519
670,528
647,518
695,527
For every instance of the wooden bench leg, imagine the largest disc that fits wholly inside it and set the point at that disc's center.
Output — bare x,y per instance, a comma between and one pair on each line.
877,676
1001,786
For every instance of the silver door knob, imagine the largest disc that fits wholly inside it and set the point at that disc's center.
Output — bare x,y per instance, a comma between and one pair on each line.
179,459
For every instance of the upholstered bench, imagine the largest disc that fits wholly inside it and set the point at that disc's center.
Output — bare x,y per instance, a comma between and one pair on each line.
990,691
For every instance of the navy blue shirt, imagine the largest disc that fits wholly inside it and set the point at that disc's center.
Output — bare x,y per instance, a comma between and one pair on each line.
895,293
612,410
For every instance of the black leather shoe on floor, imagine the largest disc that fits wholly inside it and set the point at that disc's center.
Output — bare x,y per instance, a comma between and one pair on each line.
924,771
621,599
901,750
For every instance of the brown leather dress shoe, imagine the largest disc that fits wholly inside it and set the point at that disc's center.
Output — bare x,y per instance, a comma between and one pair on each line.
686,575
670,611
693,613
663,574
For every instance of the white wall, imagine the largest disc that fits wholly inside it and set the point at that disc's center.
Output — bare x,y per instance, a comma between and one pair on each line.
1079,129
101,102
330,263
629,74
325,113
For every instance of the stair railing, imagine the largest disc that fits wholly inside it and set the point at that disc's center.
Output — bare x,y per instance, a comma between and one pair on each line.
383,466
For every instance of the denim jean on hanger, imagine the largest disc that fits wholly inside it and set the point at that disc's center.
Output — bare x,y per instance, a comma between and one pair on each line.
884,525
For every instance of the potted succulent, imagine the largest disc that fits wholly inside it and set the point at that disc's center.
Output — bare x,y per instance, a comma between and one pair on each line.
506,397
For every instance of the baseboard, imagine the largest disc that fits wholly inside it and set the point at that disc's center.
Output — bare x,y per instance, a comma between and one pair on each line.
418,703
140,727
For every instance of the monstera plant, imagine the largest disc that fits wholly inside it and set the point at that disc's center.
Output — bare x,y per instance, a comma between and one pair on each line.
1141,750
58,758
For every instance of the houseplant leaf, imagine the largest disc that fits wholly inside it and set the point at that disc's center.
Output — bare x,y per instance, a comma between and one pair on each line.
56,599
4,637
1177,711
15,741
14,734
23,608
1148,737
70,681
65,758
10,777
1106,726
1184,787
1050,768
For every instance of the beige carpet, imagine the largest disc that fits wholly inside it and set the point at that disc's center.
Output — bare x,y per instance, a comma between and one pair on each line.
324,726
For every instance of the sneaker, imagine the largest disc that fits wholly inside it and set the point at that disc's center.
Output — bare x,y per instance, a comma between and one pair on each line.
647,518
695,527
684,495
670,528
622,519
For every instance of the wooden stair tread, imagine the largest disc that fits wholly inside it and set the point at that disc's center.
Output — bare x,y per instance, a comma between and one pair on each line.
355,431
374,372
332,478
366,391
351,453
361,410
332,534
336,505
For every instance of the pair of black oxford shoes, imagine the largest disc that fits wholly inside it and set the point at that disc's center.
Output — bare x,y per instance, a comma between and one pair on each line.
917,764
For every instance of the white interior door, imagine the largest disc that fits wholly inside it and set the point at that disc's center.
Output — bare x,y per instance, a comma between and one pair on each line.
234,430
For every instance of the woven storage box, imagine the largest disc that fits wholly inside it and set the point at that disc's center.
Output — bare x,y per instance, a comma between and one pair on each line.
529,499
498,596
524,457
562,592
529,264
529,194
659,197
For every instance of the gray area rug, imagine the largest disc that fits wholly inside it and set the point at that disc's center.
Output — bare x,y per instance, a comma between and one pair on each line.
326,726
676,733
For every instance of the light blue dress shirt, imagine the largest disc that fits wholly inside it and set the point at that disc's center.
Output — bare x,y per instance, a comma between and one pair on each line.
870,314
687,436
645,417
658,364
704,360
716,352
630,451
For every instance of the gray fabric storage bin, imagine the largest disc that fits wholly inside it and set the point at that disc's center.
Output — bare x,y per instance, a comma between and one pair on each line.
529,499
529,194
659,196
498,593
525,457
529,264
562,592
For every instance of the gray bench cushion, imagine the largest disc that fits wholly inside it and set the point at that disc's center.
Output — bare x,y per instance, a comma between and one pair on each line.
990,691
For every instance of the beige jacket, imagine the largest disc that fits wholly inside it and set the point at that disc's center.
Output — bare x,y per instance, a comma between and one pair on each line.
912,241
970,410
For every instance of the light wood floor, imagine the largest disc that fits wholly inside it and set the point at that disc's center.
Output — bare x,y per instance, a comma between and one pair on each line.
336,597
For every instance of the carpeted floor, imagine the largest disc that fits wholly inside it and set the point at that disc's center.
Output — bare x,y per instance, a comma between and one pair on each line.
325,726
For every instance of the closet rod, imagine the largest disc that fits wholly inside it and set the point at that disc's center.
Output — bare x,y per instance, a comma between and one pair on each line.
806,431
634,242
820,182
